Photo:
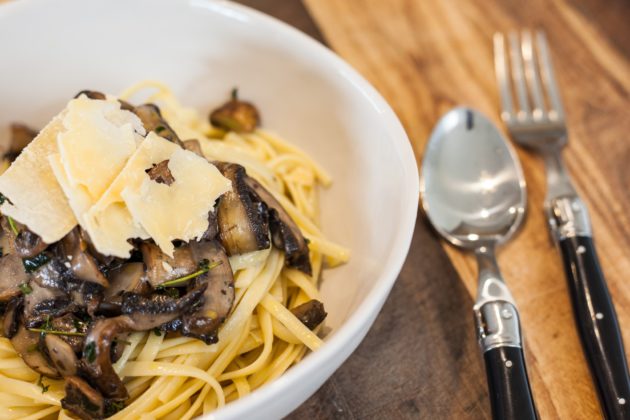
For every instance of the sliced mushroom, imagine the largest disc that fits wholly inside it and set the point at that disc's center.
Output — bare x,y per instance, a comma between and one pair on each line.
29,244
310,313
129,277
43,303
26,344
12,316
61,355
72,324
160,173
194,146
236,115
140,314
284,232
161,267
12,275
218,297
155,310
83,265
242,219
82,400
88,295
213,227
92,94
21,136
152,120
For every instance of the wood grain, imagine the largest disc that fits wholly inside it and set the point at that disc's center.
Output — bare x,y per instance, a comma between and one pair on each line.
427,56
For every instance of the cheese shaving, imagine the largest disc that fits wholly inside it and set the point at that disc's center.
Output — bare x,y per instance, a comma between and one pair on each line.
34,195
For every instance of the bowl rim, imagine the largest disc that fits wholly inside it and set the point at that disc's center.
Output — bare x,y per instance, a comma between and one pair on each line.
359,322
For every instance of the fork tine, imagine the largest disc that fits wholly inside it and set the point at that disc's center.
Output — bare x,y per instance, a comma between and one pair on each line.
501,70
546,70
517,75
531,74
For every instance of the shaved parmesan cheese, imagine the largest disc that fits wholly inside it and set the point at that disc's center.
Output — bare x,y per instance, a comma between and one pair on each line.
78,197
36,198
98,139
179,210
108,221
88,166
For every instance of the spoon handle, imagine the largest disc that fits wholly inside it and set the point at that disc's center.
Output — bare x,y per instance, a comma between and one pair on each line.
510,393
597,324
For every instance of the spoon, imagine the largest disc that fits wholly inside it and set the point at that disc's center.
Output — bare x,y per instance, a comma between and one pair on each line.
473,192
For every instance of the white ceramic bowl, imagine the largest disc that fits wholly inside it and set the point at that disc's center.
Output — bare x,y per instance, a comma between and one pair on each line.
52,49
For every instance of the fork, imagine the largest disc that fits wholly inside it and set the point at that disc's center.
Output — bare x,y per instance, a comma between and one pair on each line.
536,120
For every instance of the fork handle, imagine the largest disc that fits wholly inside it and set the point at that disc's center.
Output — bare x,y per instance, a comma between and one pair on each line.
508,385
597,324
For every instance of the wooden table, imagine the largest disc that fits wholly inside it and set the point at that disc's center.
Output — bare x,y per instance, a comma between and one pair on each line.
421,360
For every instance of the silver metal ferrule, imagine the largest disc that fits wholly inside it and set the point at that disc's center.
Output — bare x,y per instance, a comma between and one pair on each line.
568,217
496,315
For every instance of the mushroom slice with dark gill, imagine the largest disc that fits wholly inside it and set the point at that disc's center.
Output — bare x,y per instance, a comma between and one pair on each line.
82,400
45,302
61,354
242,219
73,250
310,313
218,297
29,244
72,324
285,234
139,314
236,115
12,314
128,277
26,344
152,120
21,136
161,267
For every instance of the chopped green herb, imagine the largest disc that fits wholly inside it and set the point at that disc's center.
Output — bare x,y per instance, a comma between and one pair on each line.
12,224
234,94
32,264
2,199
41,384
204,267
90,351
45,331
157,331
25,288
113,407
159,129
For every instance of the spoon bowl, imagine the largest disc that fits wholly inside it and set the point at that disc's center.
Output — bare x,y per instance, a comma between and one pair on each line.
472,185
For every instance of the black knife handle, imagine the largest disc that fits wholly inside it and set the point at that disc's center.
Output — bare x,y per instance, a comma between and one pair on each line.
597,324
510,393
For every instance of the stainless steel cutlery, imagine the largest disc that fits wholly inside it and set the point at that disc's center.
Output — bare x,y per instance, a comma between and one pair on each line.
532,111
